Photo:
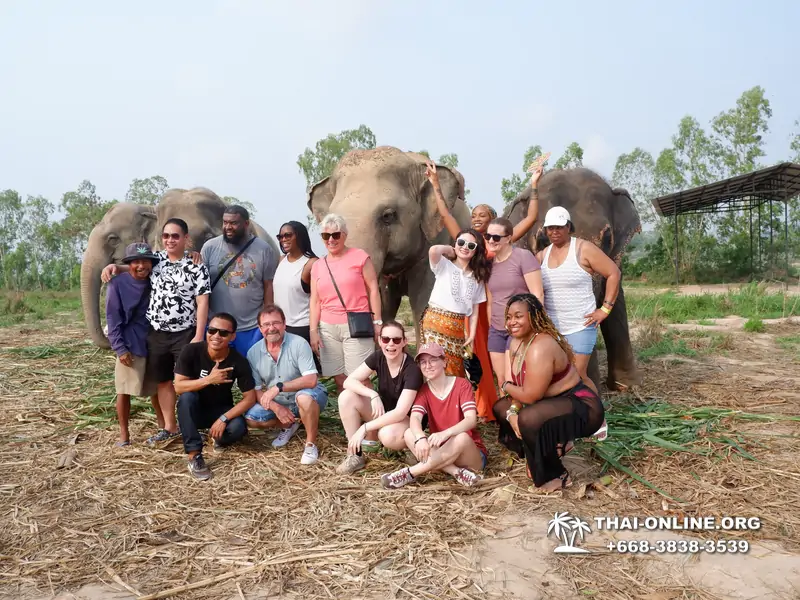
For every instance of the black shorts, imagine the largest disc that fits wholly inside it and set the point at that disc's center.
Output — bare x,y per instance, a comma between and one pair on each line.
163,349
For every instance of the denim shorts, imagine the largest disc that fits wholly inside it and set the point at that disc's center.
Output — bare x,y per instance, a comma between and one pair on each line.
498,340
583,341
262,415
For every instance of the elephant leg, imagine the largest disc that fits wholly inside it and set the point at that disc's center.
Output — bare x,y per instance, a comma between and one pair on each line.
420,283
391,297
593,370
622,370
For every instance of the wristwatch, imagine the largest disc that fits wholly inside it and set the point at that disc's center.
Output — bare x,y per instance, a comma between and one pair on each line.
377,322
279,385
223,418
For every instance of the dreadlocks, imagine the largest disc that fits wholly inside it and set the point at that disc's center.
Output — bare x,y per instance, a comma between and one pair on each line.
540,322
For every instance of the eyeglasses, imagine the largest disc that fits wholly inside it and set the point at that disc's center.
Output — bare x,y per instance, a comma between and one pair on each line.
171,236
461,242
285,236
221,332
335,235
431,362
386,339
494,237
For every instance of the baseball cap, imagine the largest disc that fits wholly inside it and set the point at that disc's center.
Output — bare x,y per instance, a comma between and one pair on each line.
138,251
432,349
556,217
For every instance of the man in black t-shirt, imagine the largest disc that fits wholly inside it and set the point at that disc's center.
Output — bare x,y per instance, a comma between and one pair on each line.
204,376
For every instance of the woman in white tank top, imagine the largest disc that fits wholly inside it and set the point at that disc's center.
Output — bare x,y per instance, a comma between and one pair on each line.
568,265
292,282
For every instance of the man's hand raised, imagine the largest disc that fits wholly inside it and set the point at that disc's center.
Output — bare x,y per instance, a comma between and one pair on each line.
219,375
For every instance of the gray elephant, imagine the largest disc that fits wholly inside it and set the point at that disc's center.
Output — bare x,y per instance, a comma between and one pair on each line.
608,218
125,223
391,213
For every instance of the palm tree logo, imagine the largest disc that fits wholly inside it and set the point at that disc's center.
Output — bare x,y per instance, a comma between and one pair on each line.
563,525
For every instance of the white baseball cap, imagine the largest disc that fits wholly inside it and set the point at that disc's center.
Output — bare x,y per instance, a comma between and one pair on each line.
556,217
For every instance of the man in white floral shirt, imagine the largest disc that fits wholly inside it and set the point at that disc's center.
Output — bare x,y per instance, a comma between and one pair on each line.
178,313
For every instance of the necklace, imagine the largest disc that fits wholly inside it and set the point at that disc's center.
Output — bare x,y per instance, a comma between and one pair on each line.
522,356
435,391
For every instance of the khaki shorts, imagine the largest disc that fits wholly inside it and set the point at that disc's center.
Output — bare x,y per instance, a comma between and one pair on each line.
133,380
340,353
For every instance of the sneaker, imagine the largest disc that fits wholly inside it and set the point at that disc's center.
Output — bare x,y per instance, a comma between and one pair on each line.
285,435
602,433
397,479
351,464
310,455
219,448
198,468
162,436
466,477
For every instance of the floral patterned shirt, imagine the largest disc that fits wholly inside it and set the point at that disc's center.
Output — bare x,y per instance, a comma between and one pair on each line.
175,285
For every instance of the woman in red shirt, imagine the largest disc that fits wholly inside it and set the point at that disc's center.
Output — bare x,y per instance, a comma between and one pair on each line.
447,405
547,404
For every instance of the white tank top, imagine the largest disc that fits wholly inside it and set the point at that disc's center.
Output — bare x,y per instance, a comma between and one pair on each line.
288,291
568,292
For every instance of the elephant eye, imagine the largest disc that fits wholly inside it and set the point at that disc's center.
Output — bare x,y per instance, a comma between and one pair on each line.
389,216
113,240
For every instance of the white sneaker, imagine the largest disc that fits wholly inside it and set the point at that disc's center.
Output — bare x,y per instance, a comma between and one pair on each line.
285,435
310,455
602,433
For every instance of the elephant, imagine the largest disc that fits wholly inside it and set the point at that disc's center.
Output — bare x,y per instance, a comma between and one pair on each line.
126,223
608,218
391,214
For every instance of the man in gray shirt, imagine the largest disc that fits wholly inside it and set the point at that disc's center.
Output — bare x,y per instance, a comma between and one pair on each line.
246,286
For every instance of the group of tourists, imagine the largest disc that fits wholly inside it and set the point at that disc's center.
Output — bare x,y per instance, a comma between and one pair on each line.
276,326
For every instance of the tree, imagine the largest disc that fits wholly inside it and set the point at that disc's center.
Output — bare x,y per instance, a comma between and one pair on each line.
84,209
572,157
636,173
147,191
510,188
11,214
230,200
317,164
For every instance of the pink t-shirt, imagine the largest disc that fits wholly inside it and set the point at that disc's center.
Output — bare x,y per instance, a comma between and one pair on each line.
508,279
348,272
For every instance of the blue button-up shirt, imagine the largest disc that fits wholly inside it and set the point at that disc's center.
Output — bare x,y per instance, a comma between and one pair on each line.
295,359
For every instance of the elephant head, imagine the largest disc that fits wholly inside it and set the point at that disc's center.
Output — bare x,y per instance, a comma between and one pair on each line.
123,224
388,203
606,216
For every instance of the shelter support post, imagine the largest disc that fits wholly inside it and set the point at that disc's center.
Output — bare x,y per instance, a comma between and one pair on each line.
786,234
771,249
751,241
677,252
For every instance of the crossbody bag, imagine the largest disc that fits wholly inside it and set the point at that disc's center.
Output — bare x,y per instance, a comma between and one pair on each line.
231,261
360,323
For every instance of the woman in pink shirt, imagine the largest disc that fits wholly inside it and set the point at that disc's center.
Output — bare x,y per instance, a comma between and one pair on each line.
355,276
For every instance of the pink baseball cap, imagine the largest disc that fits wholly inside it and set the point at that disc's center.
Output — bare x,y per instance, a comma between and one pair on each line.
432,349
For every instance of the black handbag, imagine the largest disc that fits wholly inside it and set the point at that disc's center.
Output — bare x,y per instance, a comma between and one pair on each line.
472,366
360,323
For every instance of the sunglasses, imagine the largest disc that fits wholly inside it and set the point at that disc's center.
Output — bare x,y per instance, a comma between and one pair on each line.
221,332
335,235
461,242
396,340
171,236
285,236
493,237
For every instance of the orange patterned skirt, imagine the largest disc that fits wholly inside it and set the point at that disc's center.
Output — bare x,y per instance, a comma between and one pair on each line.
446,329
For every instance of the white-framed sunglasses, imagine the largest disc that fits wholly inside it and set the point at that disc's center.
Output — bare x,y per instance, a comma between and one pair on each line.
461,242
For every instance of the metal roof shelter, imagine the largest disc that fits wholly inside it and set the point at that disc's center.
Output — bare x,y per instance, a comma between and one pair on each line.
742,192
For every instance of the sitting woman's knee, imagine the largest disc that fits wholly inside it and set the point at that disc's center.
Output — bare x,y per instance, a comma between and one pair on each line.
393,436
499,409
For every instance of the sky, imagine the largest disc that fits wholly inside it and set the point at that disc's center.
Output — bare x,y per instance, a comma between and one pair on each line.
227,93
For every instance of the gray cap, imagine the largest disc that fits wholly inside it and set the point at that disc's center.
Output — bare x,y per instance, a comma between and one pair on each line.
138,251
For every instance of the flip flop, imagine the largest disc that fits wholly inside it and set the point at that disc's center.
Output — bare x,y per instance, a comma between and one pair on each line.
122,444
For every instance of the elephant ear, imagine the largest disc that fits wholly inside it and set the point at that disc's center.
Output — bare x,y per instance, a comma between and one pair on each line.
452,183
320,197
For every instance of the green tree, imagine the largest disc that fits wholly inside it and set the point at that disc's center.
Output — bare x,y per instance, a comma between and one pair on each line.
317,164
11,215
147,191
511,187
229,200
83,209
635,172
572,157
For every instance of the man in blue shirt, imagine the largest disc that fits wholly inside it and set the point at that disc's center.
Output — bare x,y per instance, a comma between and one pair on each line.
127,300
287,384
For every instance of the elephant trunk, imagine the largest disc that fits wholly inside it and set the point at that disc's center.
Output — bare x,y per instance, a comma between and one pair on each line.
90,299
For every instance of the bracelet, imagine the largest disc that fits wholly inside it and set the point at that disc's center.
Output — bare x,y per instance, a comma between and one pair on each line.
609,303
423,437
605,310
503,387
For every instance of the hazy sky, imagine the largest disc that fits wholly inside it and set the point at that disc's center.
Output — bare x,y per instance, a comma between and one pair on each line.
227,93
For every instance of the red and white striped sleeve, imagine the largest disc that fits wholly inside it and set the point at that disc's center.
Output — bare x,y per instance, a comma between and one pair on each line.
421,402
466,397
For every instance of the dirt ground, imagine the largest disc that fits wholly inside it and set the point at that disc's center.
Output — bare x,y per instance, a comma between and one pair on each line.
121,524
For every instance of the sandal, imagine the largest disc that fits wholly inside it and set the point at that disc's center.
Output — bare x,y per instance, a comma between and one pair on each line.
122,444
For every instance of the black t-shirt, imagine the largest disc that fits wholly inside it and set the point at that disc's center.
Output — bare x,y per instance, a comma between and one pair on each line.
389,388
194,362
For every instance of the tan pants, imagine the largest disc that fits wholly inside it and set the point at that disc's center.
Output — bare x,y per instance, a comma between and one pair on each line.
340,353
133,380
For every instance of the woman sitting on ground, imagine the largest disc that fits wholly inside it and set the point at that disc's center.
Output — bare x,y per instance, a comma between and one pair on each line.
381,415
461,271
548,405
447,405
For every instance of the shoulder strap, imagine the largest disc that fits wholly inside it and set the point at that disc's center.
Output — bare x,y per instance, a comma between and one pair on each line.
336,287
231,261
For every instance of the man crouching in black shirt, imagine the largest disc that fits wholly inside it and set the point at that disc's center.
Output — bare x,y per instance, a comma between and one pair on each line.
204,376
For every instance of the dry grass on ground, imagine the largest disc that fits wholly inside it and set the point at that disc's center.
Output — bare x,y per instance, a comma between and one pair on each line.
265,525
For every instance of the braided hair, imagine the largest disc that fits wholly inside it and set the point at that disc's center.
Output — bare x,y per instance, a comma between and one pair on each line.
540,321
489,209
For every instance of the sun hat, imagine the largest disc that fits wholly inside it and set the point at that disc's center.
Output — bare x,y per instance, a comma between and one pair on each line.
139,251
558,216
433,349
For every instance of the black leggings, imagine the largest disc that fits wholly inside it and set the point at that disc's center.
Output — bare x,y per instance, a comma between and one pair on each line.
548,423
